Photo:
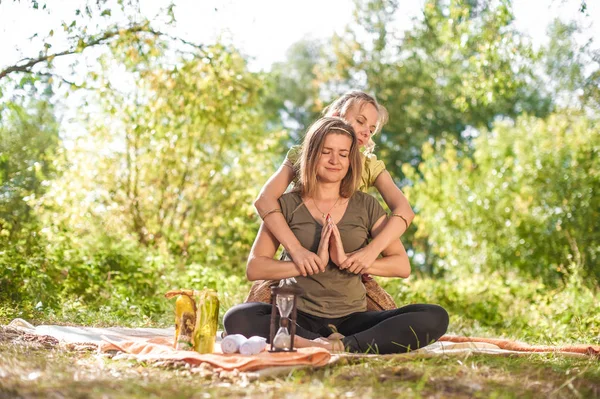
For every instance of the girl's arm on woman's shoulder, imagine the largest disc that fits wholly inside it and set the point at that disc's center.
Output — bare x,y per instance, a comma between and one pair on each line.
398,205
393,228
394,262
274,188
261,265
266,202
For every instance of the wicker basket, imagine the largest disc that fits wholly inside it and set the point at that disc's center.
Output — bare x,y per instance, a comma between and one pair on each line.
377,297
261,291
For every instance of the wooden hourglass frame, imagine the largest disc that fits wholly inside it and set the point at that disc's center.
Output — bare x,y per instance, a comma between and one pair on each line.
287,321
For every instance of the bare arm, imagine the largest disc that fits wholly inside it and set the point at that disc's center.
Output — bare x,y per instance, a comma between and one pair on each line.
261,265
307,261
394,228
394,262
274,188
398,204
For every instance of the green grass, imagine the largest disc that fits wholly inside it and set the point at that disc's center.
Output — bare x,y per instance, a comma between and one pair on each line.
31,370
491,306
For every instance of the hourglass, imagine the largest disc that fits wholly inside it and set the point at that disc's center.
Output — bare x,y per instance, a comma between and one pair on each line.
283,302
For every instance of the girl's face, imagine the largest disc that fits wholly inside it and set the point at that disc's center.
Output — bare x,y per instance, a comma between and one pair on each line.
333,163
363,118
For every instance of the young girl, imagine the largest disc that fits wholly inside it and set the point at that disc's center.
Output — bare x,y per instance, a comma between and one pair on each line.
330,218
367,117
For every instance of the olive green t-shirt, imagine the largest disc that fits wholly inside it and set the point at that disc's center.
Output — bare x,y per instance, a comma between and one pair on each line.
372,167
333,292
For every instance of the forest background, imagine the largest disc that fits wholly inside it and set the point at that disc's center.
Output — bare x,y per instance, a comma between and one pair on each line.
495,142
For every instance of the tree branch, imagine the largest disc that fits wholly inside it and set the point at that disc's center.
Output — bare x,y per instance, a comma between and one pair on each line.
28,66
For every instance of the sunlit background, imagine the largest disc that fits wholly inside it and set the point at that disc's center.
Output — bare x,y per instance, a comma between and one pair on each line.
134,137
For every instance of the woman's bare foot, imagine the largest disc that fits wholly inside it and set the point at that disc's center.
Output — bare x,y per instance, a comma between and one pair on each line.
333,343
300,342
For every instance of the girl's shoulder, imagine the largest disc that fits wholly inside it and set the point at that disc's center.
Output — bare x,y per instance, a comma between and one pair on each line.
371,159
290,203
294,153
372,168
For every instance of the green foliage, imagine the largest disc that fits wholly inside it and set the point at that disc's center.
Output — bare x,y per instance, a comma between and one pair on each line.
157,193
295,96
159,198
523,201
500,304
456,44
27,277
28,147
94,23
181,163
573,70
28,144
103,281
115,276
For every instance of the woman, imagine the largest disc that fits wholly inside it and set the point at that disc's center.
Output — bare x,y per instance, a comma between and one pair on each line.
331,219
367,117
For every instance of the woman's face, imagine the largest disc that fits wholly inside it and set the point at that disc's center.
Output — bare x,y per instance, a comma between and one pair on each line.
333,162
363,120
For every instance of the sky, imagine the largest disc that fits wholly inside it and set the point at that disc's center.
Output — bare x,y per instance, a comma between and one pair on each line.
262,29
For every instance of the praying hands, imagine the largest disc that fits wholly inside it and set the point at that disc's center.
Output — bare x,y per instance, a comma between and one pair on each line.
331,247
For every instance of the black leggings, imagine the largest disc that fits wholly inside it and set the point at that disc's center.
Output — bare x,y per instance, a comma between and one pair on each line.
389,331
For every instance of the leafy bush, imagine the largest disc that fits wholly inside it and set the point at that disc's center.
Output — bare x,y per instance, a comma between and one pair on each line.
509,306
159,198
525,200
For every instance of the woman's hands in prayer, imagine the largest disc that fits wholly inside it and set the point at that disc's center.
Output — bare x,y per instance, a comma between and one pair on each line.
336,248
323,251
331,247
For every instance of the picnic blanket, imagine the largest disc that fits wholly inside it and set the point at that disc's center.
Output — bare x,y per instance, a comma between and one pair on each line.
155,349
515,346
154,344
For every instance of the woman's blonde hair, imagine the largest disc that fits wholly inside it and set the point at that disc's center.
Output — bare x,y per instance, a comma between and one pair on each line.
347,101
312,146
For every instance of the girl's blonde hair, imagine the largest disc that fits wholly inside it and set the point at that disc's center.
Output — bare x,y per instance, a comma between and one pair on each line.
312,146
347,101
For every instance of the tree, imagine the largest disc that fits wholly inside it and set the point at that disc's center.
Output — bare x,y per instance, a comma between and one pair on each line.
524,201
295,99
157,190
28,144
573,70
463,65
29,148
180,159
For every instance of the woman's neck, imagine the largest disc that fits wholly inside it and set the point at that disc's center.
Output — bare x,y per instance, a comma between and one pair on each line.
327,191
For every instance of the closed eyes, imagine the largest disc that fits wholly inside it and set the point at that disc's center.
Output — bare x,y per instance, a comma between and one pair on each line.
343,155
361,122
